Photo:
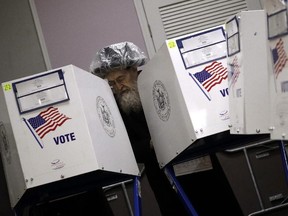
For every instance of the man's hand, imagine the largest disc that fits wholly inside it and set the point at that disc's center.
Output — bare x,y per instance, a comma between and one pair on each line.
151,144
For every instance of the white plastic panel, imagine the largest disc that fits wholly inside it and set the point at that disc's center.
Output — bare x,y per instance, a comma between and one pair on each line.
80,134
186,98
248,69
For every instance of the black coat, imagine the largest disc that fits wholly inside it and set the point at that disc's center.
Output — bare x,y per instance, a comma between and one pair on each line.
139,135
203,189
168,202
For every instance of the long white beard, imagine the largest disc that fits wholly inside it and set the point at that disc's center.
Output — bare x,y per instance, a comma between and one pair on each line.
130,101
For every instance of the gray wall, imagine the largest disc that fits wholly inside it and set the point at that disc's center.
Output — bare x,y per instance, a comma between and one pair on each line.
20,52
20,55
75,29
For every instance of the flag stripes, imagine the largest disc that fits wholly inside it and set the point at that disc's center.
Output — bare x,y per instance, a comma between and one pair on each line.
47,121
212,75
279,57
235,72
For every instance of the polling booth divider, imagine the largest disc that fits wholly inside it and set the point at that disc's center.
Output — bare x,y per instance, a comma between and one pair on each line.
61,134
248,67
209,91
257,71
277,34
252,48
185,86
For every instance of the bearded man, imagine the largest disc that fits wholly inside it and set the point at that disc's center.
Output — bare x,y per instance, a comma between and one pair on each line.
118,64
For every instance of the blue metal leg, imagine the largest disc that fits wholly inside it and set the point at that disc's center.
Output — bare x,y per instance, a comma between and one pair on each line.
15,213
176,185
18,211
137,197
284,159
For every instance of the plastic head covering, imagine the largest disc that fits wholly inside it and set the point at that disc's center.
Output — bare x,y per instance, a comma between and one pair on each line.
117,56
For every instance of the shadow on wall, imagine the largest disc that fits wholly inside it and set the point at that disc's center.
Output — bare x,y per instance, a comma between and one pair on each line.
5,208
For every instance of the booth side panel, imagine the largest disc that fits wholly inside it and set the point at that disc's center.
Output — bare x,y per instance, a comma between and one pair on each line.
63,151
164,107
248,75
279,87
110,141
206,101
255,68
48,136
79,149
9,153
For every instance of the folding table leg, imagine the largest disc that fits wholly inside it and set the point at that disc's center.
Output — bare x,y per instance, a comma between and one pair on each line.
284,159
180,192
137,196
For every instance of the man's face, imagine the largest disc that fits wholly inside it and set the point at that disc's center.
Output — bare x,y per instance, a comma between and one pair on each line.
124,87
121,80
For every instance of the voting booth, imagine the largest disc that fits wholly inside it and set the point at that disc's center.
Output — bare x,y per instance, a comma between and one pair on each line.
184,92
58,128
255,59
248,69
257,71
276,16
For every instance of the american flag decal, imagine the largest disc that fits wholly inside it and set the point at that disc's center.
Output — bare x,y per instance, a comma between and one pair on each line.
235,71
47,121
279,57
211,75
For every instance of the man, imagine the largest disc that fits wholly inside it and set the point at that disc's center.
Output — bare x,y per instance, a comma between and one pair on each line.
118,64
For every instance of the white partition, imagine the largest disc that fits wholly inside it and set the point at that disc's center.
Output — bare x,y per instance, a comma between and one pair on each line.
184,92
60,124
278,75
248,69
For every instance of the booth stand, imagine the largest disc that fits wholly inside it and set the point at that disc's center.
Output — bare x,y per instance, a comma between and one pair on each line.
184,92
255,95
61,134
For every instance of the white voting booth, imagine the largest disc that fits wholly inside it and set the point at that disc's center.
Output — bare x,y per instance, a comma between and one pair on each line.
258,86
248,68
184,92
278,70
257,70
59,125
